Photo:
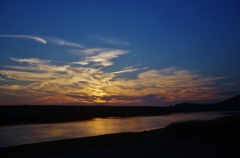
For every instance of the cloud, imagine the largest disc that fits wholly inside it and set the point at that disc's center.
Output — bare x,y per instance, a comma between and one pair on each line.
25,76
57,41
88,52
171,83
125,70
128,67
62,42
35,64
103,58
41,40
109,40
34,81
39,81
80,62
172,77
30,60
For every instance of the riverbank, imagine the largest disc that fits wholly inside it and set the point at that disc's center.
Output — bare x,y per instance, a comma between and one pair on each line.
22,115
154,143
19,115
71,145
33,114
222,132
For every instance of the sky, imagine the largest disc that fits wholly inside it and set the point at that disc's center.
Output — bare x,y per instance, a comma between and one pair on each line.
118,52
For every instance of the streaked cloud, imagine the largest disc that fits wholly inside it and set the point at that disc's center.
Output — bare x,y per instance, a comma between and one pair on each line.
171,83
57,41
30,60
38,39
125,70
128,67
103,58
109,40
62,42
88,51
80,62
25,76
84,81
39,81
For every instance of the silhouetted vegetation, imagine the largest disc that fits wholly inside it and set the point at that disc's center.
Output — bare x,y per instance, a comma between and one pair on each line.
13,115
10,115
221,131
69,145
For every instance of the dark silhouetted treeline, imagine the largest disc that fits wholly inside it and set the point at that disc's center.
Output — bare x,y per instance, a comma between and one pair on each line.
222,131
14,115
49,114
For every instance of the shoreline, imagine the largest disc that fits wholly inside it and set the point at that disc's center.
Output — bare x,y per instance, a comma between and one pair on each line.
74,144
21,115
150,143
135,144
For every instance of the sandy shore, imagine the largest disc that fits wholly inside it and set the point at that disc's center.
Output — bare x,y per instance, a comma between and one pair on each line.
155,146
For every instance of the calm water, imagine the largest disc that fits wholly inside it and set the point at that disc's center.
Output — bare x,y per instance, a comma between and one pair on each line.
25,134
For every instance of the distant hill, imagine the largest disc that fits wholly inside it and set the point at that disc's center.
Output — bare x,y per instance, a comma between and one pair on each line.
231,104
187,107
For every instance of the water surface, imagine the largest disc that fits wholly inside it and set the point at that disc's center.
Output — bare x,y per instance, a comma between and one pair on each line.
26,134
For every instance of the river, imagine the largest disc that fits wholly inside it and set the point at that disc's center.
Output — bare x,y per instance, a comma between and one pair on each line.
33,133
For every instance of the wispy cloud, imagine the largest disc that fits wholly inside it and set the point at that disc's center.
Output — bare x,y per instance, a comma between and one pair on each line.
88,51
80,62
41,40
34,81
170,83
31,60
109,40
57,41
42,82
25,76
125,70
103,58
62,42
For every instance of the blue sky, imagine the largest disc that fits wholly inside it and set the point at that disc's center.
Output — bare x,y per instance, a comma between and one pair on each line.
118,52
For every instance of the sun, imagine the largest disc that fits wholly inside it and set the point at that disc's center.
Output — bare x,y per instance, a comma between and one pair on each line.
99,100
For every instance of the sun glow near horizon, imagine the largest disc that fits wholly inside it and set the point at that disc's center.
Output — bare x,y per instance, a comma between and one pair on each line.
37,81
122,52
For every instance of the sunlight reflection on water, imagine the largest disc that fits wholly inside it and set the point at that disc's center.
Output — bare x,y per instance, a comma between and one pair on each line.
26,134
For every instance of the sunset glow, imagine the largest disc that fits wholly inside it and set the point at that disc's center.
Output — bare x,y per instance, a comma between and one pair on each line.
90,62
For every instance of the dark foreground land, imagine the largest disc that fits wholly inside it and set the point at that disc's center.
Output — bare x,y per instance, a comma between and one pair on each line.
15,115
209,139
